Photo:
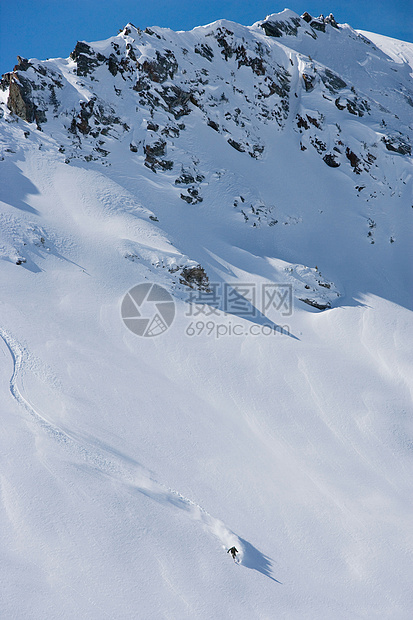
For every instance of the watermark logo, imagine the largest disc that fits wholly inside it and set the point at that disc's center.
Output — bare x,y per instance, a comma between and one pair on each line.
148,310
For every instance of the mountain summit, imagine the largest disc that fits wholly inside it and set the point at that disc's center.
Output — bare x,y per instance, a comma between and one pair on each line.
251,187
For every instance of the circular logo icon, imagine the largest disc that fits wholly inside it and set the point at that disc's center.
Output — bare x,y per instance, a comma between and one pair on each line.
148,310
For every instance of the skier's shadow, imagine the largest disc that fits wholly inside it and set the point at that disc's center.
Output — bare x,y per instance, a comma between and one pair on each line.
254,559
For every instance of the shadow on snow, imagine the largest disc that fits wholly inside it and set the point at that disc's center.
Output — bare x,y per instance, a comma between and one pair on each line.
255,560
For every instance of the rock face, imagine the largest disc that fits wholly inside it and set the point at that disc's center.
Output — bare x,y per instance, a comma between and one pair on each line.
86,59
196,278
19,100
166,100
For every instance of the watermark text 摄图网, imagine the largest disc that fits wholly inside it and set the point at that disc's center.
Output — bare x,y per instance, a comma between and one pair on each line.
247,300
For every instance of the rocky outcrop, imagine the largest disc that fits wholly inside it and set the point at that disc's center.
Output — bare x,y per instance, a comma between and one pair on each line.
20,100
86,58
309,82
161,68
316,304
354,160
332,81
279,28
397,144
319,23
331,161
195,278
22,64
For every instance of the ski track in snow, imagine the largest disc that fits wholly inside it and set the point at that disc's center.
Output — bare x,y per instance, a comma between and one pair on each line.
113,467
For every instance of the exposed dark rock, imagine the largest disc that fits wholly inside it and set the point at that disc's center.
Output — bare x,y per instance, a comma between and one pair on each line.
318,144
113,65
130,52
171,131
153,152
192,197
177,101
330,20
313,121
161,69
86,58
354,160
358,107
22,64
330,160
152,126
203,49
5,81
166,164
195,278
133,148
102,152
316,304
354,106
332,81
213,124
257,151
351,107
318,24
86,112
94,119
256,63
221,37
157,149
236,145
185,178
396,144
302,123
158,164
308,82
280,28
151,33
20,100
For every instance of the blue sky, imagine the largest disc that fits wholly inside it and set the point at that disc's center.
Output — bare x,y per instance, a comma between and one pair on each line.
50,28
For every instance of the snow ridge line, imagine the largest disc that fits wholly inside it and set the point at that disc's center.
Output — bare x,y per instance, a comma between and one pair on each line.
136,481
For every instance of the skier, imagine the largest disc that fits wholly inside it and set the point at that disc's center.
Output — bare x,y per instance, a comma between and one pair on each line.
233,551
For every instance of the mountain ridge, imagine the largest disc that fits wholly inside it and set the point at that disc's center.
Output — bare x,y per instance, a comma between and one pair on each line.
171,91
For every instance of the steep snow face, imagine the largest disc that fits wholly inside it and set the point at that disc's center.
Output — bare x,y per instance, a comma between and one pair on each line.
400,51
273,161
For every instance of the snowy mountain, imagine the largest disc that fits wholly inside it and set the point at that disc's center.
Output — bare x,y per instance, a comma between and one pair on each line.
252,188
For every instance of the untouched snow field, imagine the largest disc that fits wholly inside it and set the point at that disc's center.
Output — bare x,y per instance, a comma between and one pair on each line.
129,465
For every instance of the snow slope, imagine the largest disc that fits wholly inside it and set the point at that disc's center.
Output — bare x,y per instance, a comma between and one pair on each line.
399,51
130,465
